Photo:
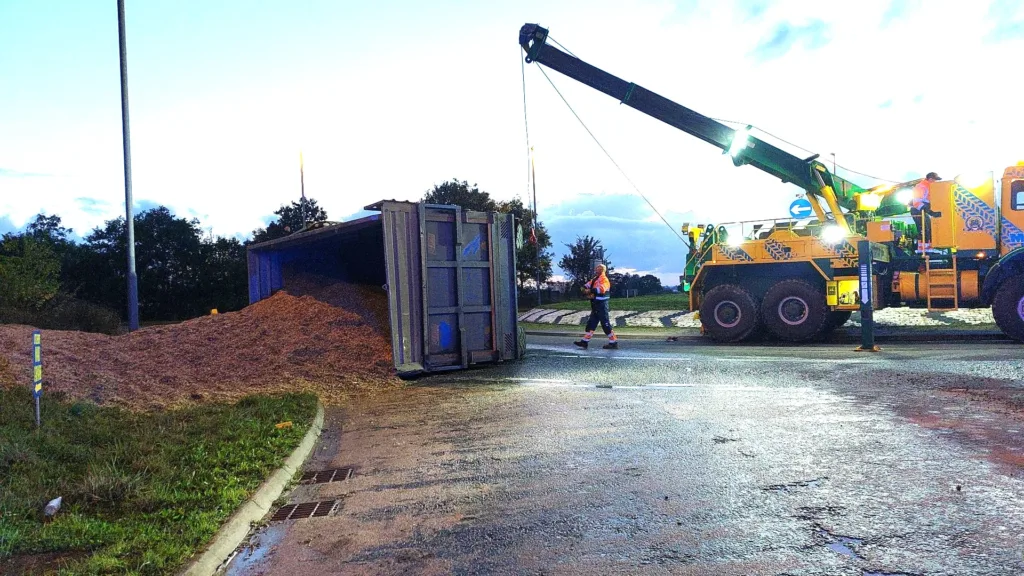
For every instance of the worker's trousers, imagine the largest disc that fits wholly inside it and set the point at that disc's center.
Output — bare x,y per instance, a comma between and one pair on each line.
923,217
599,315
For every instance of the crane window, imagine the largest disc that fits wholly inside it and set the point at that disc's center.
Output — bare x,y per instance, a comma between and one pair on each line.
1017,194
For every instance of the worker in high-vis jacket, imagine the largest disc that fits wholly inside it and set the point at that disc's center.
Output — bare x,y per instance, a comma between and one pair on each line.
921,210
599,291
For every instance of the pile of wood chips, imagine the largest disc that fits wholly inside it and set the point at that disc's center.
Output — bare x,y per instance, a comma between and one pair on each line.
283,343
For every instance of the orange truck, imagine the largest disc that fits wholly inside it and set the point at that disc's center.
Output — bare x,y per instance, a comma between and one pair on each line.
795,280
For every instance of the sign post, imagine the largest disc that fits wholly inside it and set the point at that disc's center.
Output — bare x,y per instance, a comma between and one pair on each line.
867,321
37,370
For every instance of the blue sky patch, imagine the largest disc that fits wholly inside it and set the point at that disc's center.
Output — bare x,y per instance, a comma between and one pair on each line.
899,10
6,225
624,225
8,173
92,205
814,35
144,205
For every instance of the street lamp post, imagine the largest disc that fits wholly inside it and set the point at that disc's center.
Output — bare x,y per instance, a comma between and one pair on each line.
133,281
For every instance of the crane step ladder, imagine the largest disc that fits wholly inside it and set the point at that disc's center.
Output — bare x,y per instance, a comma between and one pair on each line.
941,282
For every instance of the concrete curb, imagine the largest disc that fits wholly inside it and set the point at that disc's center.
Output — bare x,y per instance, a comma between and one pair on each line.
234,531
838,339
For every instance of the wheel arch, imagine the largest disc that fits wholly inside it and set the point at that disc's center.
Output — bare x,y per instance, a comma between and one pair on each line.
1009,266
756,278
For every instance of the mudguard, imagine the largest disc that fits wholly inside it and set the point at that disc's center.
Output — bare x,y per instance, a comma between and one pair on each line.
1008,266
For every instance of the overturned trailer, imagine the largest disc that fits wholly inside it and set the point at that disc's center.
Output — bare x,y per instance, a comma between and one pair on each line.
449,276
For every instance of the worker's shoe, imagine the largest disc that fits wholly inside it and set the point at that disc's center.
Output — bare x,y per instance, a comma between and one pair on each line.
582,343
611,346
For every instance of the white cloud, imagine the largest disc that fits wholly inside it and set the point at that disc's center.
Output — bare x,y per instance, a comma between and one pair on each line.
390,123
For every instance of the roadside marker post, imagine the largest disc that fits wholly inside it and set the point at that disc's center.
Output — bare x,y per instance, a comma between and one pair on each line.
867,321
37,370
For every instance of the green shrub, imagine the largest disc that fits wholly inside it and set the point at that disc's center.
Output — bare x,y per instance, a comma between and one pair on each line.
65,312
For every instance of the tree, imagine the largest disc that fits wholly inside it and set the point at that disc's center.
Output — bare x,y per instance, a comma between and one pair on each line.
49,229
578,264
461,194
29,271
527,264
289,220
642,285
168,261
224,278
649,284
182,274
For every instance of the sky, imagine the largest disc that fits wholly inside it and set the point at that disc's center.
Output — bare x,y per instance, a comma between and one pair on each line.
385,99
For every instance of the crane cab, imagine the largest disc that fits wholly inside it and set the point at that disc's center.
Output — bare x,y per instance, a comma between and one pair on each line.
1012,231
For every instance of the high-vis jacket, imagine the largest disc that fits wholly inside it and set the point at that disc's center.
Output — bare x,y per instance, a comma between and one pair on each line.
600,286
922,194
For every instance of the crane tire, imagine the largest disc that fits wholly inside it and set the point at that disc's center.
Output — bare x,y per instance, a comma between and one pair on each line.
1008,308
794,311
729,313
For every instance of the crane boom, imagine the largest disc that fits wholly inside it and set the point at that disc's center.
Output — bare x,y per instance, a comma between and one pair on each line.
807,173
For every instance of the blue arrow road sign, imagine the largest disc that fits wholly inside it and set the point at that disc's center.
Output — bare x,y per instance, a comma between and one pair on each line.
800,208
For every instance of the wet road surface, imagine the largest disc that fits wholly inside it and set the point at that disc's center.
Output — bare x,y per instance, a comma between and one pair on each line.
676,458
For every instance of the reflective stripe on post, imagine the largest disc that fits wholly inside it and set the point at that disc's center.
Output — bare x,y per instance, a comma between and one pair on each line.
37,370
867,321
37,364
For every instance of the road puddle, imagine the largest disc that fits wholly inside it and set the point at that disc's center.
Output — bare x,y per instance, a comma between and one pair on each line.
813,483
256,550
841,544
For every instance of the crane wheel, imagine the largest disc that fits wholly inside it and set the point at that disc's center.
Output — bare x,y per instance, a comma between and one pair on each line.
794,311
728,313
1008,308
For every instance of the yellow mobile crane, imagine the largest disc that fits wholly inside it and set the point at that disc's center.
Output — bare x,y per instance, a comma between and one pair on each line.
796,282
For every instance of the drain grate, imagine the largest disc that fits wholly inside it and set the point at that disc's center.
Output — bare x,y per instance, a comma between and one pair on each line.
324,476
304,510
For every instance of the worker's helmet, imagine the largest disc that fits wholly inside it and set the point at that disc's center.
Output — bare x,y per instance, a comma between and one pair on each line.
932,176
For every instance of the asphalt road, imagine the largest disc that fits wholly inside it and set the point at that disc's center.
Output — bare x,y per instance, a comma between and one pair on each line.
676,458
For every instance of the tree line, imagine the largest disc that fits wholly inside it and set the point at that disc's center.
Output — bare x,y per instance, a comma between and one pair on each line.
51,281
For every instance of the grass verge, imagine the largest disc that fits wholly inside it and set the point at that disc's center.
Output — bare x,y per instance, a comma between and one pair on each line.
141,492
638,304
619,330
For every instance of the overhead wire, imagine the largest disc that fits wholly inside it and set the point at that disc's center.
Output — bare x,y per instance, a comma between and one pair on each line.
559,44
531,178
635,187
526,123
606,153
798,147
763,131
